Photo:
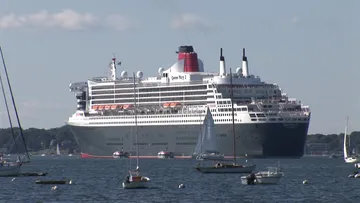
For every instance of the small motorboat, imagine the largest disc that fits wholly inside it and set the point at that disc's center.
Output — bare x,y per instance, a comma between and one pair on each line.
54,182
33,174
165,155
271,176
120,154
135,181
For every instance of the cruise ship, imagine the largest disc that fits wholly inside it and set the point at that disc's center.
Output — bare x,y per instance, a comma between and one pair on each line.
170,108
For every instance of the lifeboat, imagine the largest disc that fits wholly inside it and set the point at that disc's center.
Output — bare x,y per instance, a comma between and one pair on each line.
174,104
100,108
127,106
107,107
94,107
166,105
113,107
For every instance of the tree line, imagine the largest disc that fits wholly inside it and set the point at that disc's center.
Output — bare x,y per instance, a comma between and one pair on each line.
42,139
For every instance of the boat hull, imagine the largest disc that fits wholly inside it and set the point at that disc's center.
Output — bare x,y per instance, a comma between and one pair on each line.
245,169
270,180
352,159
136,184
257,140
10,169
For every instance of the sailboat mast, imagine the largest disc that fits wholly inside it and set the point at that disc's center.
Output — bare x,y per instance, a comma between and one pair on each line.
8,113
345,138
136,131
202,136
13,101
232,111
347,125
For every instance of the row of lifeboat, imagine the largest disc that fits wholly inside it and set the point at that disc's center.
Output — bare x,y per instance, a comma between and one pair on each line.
128,106
112,107
171,105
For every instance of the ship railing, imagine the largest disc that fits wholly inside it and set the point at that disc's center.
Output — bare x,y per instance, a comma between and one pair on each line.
151,111
273,112
271,101
172,84
292,114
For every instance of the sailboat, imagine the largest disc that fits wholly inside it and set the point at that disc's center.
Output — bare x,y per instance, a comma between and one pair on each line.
225,167
206,148
57,150
134,180
347,158
11,168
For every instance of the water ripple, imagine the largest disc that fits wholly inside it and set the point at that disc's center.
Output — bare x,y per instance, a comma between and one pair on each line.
99,180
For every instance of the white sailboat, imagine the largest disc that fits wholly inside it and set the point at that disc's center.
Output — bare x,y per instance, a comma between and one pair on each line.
347,158
11,168
134,180
206,147
57,150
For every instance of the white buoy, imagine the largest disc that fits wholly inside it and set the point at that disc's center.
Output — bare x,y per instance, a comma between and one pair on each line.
181,186
54,187
12,179
305,182
70,182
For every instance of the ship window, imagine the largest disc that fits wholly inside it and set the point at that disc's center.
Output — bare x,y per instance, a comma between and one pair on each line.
222,135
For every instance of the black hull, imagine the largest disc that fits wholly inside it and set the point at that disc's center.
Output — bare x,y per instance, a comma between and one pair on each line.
261,140
275,140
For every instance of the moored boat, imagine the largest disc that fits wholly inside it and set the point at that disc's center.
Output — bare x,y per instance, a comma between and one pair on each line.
271,176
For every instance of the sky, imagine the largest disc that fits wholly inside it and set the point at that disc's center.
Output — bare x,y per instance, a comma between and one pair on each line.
309,48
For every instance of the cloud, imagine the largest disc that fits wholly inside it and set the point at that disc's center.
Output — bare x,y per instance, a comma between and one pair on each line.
119,22
190,21
66,19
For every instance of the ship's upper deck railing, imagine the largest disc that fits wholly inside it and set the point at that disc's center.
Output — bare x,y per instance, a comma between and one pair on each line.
143,110
188,109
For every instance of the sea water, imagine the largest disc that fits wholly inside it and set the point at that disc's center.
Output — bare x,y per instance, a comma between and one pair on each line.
99,180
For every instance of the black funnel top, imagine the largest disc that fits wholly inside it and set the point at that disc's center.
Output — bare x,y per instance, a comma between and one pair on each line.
221,55
186,49
244,57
